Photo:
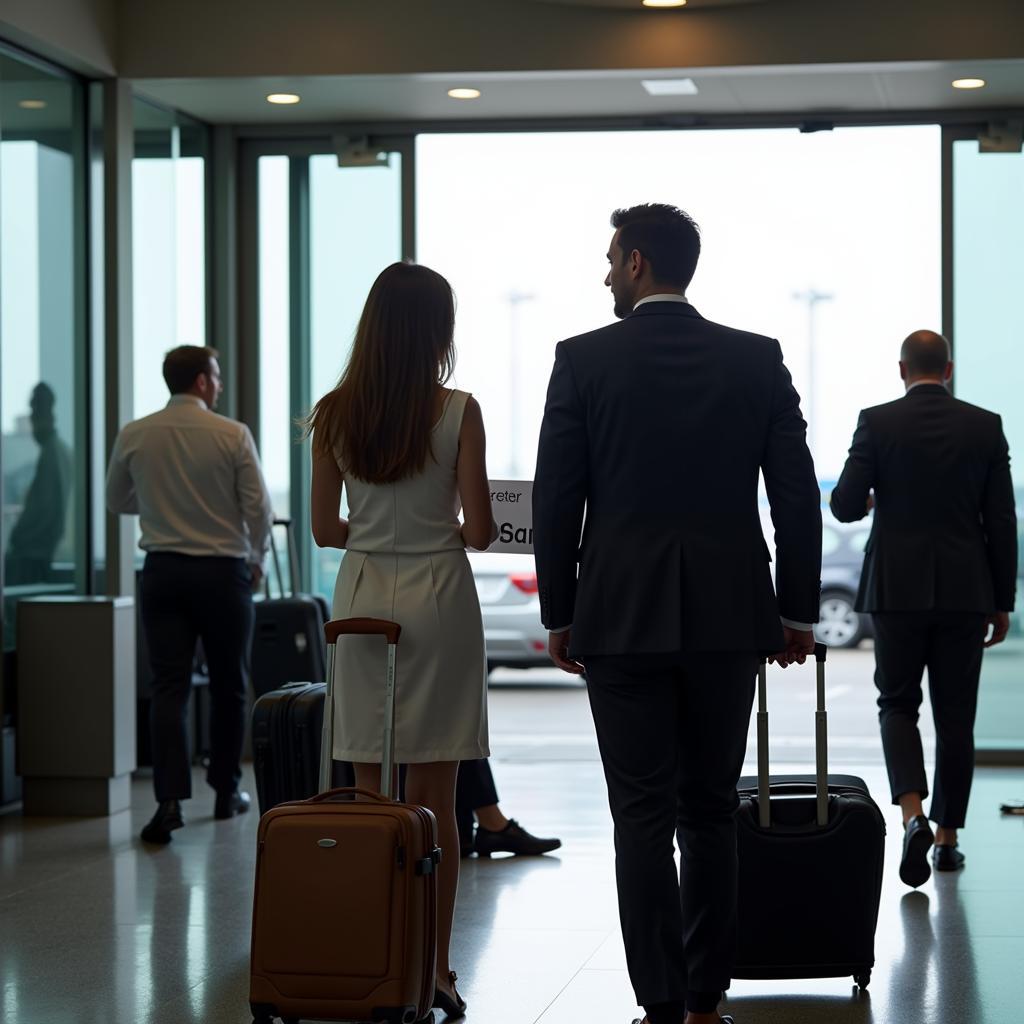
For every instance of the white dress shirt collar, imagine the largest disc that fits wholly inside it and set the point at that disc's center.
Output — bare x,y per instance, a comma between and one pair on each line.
186,399
663,297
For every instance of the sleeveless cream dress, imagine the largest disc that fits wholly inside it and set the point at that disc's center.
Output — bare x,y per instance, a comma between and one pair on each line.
406,561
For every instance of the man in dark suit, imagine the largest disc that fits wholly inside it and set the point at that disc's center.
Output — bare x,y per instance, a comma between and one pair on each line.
656,428
940,571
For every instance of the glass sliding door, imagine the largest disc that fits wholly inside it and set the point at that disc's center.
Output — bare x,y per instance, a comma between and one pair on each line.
988,340
323,232
355,232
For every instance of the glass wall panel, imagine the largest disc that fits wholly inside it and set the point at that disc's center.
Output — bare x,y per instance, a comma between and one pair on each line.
988,335
355,232
275,293
168,245
42,332
811,249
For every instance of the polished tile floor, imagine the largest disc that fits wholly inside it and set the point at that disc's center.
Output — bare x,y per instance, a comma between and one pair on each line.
97,929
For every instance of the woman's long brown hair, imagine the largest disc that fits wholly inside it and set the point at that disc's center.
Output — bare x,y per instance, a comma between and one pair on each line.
380,416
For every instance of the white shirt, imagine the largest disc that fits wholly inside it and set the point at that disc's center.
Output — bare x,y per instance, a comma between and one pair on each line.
662,297
193,478
676,297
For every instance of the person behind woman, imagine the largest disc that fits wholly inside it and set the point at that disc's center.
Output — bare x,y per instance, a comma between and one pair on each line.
408,451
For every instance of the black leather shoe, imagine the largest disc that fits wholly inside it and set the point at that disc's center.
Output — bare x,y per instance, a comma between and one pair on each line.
452,1007
513,838
947,858
465,844
917,840
228,805
164,822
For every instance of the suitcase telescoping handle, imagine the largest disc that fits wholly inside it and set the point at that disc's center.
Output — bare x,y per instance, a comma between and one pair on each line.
293,558
391,631
820,743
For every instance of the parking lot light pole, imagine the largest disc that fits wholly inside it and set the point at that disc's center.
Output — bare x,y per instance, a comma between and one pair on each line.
812,297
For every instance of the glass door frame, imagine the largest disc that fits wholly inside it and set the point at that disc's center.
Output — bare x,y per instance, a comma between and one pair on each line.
299,150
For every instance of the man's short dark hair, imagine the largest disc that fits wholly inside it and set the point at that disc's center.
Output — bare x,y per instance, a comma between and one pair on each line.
667,237
183,364
925,354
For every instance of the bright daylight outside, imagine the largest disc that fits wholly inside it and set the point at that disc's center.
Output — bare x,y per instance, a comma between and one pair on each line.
828,241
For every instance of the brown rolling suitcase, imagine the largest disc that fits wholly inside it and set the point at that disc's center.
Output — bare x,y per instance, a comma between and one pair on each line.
345,909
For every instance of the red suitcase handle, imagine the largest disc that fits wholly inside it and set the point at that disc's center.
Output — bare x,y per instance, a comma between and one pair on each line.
369,627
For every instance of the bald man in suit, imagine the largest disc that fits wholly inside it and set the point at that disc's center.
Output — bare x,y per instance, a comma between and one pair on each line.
939,581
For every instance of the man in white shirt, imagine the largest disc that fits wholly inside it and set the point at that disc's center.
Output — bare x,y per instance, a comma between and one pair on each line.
193,478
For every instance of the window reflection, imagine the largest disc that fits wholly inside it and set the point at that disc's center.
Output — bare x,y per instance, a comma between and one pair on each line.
42,333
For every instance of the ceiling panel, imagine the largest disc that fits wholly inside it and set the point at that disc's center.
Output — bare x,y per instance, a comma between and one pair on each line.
871,88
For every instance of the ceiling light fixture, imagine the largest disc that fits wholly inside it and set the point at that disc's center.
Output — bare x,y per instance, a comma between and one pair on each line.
283,99
969,83
32,104
464,94
664,3
670,86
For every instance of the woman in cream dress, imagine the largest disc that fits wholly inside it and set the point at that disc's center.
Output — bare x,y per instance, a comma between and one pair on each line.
408,452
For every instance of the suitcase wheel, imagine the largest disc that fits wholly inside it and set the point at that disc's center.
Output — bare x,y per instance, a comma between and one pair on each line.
863,980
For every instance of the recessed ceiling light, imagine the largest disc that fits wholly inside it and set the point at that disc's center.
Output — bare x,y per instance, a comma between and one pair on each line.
283,98
32,104
664,3
670,86
464,94
969,83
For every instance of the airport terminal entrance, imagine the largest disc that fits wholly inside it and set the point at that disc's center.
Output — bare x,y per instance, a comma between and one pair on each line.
830,241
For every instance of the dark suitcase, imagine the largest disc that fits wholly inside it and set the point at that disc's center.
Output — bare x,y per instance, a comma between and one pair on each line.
287,642
811,849
287,728
345,908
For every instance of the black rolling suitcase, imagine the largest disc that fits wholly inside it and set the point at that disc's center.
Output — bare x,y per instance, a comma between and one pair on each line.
288,638
287,730
811,849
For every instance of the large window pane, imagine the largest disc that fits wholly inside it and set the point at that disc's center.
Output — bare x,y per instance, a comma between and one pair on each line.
355,232
829,242
168,246
988,240
42,334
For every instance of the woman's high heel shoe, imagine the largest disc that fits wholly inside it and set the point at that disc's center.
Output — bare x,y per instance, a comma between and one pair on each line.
452,1007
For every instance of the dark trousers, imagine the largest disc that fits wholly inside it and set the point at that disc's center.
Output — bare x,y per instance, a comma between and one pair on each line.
475,788
949,645
185,597
672,732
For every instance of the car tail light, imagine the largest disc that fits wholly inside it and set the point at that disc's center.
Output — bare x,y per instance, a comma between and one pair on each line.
524,581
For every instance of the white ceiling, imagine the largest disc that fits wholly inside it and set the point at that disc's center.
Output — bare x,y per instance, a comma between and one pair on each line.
752,91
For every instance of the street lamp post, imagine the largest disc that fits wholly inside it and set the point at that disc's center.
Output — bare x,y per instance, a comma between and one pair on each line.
812,297
515,300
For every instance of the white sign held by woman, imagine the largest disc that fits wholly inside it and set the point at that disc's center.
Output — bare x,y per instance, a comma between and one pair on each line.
512,506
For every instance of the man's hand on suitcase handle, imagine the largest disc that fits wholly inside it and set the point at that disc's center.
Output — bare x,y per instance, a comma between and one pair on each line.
799,646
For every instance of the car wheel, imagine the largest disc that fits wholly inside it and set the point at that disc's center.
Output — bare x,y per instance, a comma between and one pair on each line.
839,623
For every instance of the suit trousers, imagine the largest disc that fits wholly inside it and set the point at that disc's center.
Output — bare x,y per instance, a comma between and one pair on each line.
950,646
184,597
672,731
475,788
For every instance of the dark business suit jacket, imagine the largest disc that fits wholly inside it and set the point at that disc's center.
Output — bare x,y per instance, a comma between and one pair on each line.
944,535
656,428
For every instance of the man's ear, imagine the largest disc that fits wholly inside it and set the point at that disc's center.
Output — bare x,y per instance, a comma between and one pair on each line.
636,262
948,375
903,370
